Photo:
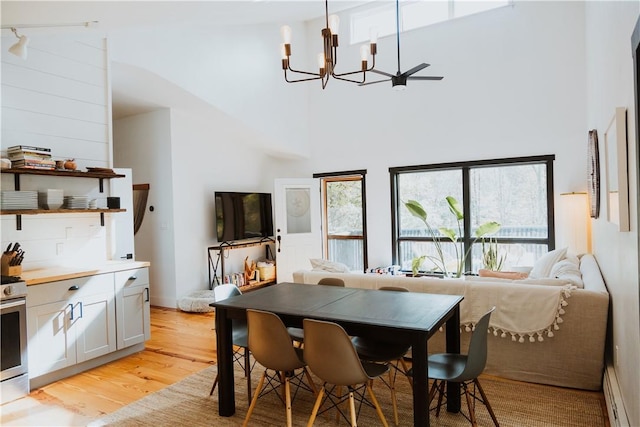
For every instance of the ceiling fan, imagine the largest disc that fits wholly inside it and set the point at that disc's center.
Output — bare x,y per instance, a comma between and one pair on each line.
399,80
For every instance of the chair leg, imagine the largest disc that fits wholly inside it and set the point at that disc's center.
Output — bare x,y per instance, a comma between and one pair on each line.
287,393
486,402
441,387
377,405
352,409
432,392
392,386
316,406
405,369
255,399
310,381
472,411
247,372
213,387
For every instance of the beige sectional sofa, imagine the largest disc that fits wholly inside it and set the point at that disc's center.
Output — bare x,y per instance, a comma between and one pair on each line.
542,333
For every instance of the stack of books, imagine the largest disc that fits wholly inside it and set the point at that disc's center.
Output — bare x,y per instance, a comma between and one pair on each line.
28,157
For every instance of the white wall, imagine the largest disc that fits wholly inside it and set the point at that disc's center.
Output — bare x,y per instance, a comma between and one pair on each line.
143,143
58,98
514,85
609,27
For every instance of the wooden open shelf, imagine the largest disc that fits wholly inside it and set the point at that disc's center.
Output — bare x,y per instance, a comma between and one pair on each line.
54,211
56,172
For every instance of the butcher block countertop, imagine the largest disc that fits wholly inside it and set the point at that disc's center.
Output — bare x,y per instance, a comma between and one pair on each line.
53,274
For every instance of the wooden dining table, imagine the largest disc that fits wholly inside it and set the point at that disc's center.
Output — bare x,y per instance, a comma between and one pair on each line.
397,317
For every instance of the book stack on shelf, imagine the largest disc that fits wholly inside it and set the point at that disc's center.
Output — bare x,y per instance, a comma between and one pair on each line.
28,157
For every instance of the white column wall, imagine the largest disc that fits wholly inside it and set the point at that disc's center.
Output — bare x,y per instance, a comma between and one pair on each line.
58,98
609,26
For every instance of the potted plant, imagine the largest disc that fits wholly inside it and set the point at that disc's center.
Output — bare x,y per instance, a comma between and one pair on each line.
491,260
416,209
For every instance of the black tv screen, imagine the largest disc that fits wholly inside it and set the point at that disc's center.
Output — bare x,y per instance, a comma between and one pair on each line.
242,216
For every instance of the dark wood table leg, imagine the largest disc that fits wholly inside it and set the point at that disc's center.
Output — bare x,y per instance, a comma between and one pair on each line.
420,383
224,345
453,346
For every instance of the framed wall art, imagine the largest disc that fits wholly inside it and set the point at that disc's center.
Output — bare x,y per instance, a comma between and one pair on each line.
593,174
617,186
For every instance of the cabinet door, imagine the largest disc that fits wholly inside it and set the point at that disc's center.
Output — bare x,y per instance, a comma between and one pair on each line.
133,307
52,343
96,326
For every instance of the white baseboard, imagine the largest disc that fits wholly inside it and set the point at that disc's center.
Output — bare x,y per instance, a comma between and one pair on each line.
615,405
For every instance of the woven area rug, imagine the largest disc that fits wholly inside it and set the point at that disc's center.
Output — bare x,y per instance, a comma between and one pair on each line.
514,403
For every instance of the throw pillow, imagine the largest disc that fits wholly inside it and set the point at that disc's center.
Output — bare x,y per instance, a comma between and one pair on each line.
502,274
569,271
326,265
542,268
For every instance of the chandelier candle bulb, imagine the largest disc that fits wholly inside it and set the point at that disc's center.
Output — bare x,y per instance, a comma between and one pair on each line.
286,33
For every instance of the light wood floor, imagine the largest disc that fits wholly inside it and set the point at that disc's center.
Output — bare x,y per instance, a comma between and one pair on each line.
181,344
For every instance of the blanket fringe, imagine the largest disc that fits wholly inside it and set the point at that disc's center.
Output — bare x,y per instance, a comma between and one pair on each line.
532,336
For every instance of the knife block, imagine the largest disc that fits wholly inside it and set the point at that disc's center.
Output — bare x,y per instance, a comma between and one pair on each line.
10,270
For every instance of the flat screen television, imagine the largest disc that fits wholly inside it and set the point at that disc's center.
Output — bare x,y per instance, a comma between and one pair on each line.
241,216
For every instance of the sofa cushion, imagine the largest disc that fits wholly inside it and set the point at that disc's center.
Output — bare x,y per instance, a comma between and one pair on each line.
326,265
568,271
542,267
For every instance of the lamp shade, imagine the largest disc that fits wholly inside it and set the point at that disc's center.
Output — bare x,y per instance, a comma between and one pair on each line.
20,48
574,226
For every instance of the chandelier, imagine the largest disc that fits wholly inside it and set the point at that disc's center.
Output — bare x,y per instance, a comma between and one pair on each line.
328,59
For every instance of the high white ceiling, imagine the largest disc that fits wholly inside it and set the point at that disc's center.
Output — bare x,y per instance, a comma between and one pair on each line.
115,15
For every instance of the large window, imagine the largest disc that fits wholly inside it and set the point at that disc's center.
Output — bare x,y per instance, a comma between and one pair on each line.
517,193
344,218
381,18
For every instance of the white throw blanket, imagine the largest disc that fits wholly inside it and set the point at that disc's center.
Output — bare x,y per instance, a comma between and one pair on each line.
522,311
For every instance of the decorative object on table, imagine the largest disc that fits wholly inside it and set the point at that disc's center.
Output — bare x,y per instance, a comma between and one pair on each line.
11,262
113,202
19,200
60,164
617,189
30,157
439,261
267,270
491,259
593,174
399,80
250,271
70,164
51,198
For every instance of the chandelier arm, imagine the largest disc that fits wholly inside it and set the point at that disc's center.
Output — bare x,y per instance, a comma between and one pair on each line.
300,80
302,72
370,69
337,77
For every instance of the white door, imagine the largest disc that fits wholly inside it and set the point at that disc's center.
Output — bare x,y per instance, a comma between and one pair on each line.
298,227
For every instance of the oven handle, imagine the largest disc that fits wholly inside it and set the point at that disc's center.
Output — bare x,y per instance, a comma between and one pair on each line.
13,304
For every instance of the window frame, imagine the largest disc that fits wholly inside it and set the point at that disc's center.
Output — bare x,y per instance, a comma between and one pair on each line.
354,175
465,167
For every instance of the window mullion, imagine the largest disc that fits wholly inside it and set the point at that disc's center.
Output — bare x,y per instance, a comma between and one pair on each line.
466,209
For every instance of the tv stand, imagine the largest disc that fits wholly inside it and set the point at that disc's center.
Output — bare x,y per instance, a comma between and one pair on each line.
215,255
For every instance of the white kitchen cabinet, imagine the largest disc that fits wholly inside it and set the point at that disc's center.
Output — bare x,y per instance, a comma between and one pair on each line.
133,306
69,322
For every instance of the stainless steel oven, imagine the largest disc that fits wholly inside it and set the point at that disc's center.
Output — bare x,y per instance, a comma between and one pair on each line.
14,377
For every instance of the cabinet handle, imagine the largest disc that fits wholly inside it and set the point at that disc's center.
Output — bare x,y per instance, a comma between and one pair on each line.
81,314
71,314
146,290
133,278
74,288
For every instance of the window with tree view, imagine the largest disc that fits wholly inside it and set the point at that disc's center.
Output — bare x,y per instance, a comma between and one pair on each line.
344,228
515,194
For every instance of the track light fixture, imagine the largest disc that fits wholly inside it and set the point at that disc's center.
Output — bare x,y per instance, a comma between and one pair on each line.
328,59
19,49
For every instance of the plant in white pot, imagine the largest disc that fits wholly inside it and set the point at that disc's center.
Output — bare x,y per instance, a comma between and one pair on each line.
439,261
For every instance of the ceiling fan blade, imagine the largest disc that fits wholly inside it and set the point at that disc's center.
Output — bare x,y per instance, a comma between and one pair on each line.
372,83
382,73
415,69
425,78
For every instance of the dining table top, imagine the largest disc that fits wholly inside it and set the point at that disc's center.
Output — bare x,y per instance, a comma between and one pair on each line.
409,311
